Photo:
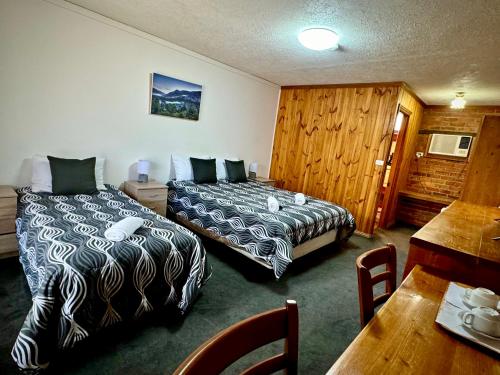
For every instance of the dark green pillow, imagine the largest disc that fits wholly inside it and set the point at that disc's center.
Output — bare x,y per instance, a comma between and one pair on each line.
72,176
204,170
236,171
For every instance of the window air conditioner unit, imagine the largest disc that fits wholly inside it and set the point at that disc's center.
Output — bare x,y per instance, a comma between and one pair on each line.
450,145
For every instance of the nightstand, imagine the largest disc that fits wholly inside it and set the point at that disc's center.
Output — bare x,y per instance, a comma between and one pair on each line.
263,180
8,208
151,194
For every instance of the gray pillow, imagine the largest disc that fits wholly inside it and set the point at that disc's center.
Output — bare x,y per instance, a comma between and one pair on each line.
72,176
204,170
236,171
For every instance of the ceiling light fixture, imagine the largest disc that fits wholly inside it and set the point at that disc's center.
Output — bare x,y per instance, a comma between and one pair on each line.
319,39
459,101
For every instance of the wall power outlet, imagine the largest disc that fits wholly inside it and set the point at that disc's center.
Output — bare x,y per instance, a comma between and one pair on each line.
419,154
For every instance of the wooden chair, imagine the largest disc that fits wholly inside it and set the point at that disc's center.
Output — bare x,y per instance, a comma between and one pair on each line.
365,262
234,342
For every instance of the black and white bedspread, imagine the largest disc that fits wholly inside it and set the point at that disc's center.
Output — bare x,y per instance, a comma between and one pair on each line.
80,282
238,212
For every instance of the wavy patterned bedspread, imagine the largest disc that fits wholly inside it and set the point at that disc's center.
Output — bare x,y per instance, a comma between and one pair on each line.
238,212
81,282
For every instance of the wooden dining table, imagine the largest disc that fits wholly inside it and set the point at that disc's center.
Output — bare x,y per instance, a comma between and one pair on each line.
403,338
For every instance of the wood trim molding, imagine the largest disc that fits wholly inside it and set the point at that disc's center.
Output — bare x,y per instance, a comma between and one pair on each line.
413,94
450,132
440,199
484,109
406,111
363,234
345,85
401,84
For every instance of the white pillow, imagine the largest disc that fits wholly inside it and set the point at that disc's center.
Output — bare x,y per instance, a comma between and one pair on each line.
220,166
99,173
182,169
41,176
172,168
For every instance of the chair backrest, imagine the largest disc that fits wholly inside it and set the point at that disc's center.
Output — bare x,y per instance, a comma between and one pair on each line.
234,342
365,262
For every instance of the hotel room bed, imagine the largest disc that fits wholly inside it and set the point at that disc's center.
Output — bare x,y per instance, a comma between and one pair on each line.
80,282
237,214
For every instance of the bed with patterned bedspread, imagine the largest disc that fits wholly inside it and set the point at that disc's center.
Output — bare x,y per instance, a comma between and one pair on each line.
238,213
81,283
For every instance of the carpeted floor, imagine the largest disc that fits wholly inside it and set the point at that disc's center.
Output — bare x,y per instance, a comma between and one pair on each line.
323,283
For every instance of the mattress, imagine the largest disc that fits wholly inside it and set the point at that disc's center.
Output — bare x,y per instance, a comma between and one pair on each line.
81,283
238,212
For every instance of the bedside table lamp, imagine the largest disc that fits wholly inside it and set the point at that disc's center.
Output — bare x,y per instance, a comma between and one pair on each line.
252,169
143,170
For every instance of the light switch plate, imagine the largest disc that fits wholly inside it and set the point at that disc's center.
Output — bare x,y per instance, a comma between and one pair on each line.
379,162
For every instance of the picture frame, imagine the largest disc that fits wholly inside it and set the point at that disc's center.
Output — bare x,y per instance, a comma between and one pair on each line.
174,97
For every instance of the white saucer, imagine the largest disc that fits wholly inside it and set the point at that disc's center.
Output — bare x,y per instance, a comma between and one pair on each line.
480,333
471,305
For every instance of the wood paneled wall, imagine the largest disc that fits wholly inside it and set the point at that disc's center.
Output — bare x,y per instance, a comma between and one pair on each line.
327,140
482,185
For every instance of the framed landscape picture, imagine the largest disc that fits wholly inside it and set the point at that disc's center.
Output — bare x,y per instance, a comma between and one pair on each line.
174,97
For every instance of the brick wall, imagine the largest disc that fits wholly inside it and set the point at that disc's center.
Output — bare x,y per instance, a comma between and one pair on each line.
417,212
436,176
433,176
467,120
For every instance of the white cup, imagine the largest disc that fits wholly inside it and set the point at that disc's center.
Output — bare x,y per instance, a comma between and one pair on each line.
481,297
483,319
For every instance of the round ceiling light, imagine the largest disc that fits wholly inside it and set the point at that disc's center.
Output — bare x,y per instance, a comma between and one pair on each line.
459,101
319,39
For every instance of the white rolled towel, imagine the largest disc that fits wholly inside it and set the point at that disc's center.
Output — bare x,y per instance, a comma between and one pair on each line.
300,199
123,229
272,204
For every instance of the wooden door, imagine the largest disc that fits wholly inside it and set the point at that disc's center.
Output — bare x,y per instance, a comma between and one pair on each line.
482,185
390,199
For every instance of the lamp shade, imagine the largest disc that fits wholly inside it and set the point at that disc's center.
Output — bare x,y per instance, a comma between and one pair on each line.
253,167
143,166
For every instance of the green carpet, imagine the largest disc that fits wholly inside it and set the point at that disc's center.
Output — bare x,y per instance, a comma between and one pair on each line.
323,283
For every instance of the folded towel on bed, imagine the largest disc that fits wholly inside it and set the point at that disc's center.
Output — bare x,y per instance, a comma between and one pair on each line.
123,229
272,204
300,199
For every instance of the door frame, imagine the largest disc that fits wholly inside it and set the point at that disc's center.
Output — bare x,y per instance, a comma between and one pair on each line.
390,200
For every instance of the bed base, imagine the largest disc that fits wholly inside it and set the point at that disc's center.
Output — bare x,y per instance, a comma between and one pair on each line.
298,251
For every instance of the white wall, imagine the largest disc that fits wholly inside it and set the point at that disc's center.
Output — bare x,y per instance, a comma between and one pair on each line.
76,84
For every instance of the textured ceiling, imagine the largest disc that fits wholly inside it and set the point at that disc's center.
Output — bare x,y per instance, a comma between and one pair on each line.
436,46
